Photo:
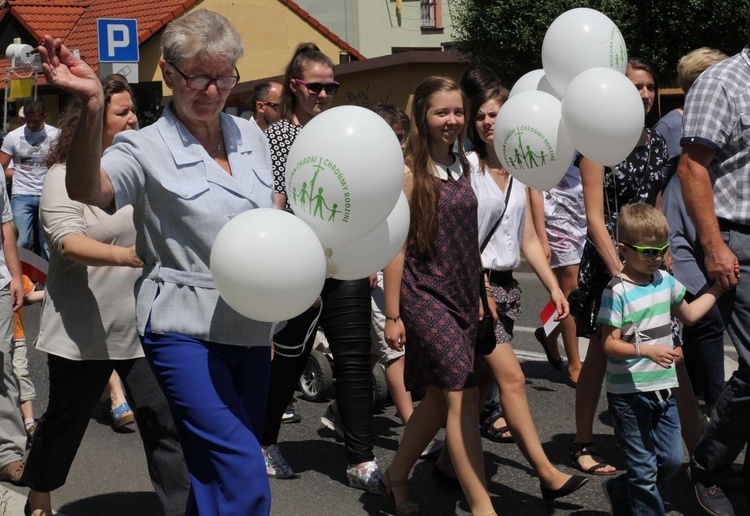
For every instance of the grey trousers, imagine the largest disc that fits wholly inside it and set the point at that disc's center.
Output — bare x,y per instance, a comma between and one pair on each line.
728,432
12,433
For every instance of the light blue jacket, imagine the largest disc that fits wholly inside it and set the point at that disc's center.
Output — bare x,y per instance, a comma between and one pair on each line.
181,199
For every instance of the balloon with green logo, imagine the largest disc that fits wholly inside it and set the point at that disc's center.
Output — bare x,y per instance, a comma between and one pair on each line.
344,174
530,141
580,39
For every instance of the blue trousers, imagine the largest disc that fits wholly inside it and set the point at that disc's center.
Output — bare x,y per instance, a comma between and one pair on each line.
25,216
647,430
217,394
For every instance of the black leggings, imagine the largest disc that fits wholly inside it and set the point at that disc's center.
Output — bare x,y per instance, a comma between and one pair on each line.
346,322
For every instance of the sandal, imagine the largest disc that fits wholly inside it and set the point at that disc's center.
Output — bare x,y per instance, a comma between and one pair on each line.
497,434
406,508
578,450
122,415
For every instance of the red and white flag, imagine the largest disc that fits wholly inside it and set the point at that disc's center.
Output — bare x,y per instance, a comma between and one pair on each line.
33,265
549,312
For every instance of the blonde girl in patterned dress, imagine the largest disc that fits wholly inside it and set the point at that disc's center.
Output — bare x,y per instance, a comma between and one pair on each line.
432,298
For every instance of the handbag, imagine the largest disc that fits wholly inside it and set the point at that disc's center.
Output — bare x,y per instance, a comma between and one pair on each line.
486,340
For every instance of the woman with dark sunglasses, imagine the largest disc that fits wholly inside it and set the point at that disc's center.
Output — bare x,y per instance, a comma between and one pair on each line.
308,88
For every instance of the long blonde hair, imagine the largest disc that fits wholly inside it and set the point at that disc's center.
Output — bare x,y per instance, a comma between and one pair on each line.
424,196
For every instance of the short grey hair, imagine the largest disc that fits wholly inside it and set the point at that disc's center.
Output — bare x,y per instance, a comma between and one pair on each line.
201,33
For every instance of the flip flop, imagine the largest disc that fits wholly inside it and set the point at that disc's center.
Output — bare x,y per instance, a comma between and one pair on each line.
542,339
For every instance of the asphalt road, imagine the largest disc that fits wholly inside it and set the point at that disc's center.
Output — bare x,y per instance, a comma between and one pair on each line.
109,474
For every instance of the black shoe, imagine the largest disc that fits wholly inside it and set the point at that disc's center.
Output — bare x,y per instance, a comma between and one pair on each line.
541,337
573,484
713,500
441,477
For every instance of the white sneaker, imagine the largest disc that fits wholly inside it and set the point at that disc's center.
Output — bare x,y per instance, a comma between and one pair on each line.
276,466
367,477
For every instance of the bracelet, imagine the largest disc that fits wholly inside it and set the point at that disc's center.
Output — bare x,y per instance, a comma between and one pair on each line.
395,318
637,349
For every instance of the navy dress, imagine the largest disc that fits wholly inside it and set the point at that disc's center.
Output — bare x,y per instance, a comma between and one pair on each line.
440,296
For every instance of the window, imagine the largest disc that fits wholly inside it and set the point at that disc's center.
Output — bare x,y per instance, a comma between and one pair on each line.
431,14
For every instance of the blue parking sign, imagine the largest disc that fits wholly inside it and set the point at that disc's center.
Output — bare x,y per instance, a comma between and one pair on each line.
117,40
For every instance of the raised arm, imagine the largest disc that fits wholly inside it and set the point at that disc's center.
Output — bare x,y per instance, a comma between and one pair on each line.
592,180
86,181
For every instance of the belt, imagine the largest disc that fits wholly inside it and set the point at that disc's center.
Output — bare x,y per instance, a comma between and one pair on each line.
499,277
729,225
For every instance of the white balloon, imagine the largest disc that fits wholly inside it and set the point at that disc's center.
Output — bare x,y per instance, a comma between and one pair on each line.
268,265
580,39
603,114
530,141
375,250
534,80
344,174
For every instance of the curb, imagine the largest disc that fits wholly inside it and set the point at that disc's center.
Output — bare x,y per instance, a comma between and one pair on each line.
11,502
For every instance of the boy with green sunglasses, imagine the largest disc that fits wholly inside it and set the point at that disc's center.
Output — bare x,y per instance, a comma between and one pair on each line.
635,314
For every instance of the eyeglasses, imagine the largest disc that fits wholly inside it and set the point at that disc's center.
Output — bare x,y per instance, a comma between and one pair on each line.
648,251
274,105
316,87
201,82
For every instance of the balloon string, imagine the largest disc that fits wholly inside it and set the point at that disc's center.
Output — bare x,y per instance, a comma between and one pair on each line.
297,349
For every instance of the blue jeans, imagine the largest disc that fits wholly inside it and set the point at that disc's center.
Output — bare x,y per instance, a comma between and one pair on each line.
25,215
729,429
647,430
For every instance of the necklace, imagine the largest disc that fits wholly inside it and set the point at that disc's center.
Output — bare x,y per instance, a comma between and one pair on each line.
218,146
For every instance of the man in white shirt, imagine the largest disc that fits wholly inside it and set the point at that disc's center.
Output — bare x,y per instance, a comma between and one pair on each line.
28,147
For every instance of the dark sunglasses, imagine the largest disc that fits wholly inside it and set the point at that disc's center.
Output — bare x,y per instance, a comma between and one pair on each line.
269,104
201,82
316,87
648,251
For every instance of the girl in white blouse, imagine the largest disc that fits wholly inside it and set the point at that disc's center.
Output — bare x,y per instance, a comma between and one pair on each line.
500,257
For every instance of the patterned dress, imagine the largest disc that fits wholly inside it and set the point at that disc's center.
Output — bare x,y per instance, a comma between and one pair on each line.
639,178
281,136
440,297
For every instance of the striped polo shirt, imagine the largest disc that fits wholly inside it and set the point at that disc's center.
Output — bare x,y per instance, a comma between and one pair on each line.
647,310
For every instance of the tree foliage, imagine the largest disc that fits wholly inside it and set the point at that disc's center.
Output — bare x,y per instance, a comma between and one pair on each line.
507,35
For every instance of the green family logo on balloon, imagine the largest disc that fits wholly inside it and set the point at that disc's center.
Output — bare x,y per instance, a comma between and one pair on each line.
618,56
315,200
518,145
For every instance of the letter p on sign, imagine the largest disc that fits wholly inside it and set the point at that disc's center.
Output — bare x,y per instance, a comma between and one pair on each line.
117,40
117,37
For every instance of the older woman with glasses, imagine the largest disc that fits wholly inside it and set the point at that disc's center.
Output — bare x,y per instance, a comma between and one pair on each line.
186,176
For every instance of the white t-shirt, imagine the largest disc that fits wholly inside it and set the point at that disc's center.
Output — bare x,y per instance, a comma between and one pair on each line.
29,151
503,252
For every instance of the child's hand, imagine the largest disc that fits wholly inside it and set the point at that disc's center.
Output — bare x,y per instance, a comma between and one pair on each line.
660,355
